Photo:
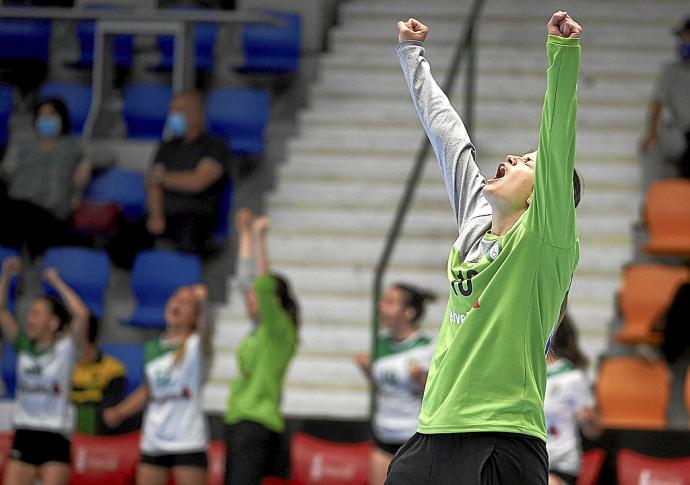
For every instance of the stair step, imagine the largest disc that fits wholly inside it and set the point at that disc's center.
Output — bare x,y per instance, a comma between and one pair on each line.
487,113
497,84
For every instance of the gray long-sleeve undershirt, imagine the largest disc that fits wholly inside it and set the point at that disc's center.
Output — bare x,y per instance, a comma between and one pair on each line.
453,148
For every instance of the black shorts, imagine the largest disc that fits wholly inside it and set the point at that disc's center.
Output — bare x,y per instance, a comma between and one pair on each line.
470,459
567,478
390,448
196,460
40,447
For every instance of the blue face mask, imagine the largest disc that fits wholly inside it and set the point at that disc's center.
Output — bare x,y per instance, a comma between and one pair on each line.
685,52
176,124
48,126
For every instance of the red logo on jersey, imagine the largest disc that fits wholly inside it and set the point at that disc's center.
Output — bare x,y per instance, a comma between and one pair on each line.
186,393
475,304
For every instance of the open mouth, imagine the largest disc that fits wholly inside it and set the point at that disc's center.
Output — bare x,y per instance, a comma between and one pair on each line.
500,172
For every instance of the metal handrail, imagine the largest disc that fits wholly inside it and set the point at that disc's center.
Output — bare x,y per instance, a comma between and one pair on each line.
138,15
465,43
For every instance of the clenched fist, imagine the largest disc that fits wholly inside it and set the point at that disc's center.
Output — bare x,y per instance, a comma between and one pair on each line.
412,30
563,25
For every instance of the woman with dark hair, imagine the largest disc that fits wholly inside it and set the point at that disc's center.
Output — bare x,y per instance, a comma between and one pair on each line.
568,405
175,434
254,420
43,417
45,177
401,363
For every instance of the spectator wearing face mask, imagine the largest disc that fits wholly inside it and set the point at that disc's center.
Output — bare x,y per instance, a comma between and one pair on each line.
666,144
187,178
45,176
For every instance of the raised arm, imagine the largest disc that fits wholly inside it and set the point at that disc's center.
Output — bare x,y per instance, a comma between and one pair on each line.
260,228
10,267
203,326
78,311
244,219
443,126
552,210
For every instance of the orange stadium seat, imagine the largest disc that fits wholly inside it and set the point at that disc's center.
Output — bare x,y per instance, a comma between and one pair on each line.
590,467
6,439
634,469
97,460
667,217
633,393
647,292
319,462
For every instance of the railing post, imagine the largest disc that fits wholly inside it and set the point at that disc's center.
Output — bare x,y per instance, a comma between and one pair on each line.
470,79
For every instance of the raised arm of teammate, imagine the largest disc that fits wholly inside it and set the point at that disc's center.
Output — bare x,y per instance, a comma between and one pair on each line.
79,313
10,327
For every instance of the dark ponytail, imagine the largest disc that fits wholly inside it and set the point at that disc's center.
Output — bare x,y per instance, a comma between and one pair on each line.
57,309
564,343
415,298
287,299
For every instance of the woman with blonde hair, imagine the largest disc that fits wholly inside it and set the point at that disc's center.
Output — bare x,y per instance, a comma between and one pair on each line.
175,435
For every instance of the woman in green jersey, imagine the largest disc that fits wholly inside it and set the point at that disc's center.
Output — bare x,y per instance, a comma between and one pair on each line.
509,271
43,417
254,420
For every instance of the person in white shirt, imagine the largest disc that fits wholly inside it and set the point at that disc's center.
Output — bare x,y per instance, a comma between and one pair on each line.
175,433
401,363
43,416
568,405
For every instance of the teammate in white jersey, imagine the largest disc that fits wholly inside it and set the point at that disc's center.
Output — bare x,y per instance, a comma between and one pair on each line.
43,416
175,434
401,362
568,405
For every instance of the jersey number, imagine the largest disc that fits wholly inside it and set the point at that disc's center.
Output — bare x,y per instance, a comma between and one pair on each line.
463,283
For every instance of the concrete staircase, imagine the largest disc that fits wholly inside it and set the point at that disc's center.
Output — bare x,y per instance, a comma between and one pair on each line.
345,171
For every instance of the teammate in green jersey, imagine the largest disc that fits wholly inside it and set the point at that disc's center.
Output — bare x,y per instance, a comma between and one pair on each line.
509,271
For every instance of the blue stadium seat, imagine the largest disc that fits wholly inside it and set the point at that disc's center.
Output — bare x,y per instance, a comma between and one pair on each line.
12,296
145,109
272,49
224,207
6,102
85,270
122,187
156,275
205,34
9,370
25,39
132,356
86,34
239,116
77,97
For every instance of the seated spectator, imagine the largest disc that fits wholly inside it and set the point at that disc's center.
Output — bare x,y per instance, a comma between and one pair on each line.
98,382
45,177
187,178
666,145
